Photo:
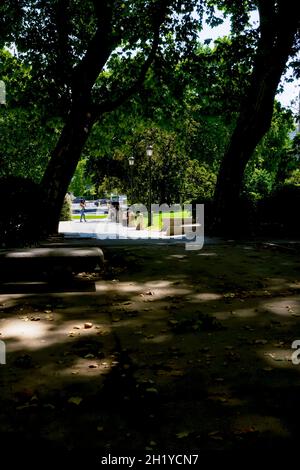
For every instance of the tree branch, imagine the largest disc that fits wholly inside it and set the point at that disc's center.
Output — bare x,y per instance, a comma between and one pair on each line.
64,61
109,105
97,53
266,10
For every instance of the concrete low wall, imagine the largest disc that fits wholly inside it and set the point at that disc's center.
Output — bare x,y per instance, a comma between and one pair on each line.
184,229
37,262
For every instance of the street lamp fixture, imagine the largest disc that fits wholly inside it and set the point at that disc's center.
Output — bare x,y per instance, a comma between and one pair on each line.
131,161
149,152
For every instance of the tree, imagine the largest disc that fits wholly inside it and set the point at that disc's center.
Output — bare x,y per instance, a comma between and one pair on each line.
199,182
71,47
168,166
279,23
273,157
26,133
87,58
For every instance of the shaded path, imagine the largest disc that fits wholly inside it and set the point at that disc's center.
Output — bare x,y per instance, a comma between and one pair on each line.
182,352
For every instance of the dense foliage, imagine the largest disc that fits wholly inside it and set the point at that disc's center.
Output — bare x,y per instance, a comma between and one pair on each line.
90,84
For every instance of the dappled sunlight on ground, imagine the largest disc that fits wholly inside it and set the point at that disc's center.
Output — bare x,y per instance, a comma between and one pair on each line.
21,330
206,296
278,358
157,338
188,348
206,254
260,424
287,307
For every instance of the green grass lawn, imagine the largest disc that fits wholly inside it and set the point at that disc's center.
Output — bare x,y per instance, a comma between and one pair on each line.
157,218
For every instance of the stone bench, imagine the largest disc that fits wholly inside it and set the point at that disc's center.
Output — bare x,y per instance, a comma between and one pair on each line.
177,226
55,263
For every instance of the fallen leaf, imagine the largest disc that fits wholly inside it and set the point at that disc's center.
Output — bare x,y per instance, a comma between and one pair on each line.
28,405
246,430
277,358
152,390
24,318
229,295
177,373
182,434
75,400
72,334
260,341
49,405
247,327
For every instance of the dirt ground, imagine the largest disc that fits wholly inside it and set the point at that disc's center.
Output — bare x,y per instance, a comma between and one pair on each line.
165,352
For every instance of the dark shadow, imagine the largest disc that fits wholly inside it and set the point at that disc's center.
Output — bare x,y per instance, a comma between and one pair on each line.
39,287
185,357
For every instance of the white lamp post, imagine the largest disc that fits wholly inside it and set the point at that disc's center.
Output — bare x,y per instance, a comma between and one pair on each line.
149,152
131,164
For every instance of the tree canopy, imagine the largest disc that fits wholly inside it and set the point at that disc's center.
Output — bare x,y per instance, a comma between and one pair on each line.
97,80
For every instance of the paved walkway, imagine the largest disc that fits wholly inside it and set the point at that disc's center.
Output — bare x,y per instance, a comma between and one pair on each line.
105,230
108,233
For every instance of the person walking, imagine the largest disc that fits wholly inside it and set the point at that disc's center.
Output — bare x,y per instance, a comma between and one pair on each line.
82,211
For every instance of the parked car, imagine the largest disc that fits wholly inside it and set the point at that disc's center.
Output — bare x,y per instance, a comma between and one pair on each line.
90,206
101,202
77,200
118,200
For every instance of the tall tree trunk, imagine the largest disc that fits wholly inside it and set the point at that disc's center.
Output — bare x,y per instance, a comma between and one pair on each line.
84,113
278,29
80,120
63,163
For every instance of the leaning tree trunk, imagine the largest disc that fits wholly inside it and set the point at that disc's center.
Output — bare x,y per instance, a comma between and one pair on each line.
274,49
62,165
253,122
85,113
